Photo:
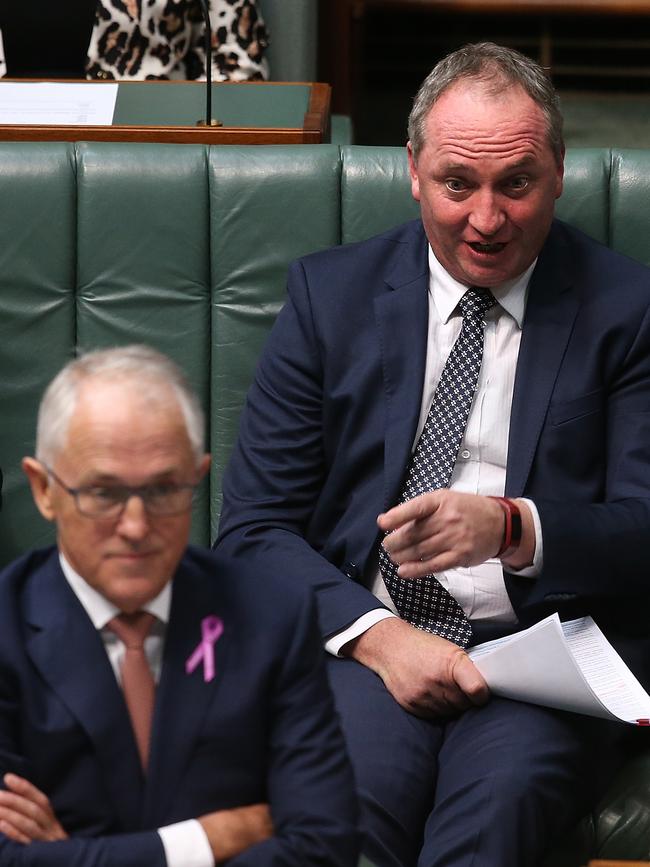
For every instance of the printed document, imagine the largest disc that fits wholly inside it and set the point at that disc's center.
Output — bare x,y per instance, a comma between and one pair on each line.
570,666
48,103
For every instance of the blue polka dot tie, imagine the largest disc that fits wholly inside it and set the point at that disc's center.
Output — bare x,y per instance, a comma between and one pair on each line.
424,602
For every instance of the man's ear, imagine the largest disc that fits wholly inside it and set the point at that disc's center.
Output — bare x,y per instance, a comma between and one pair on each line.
559,175
203,467
413,171
39,482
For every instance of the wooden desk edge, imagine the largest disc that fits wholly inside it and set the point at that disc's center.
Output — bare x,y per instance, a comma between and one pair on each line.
164,135
546,7
618,864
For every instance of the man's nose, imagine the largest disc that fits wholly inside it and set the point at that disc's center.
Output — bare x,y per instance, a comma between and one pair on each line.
487,215
134,520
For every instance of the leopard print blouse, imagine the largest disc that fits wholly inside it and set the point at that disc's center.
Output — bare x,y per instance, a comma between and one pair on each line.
164,39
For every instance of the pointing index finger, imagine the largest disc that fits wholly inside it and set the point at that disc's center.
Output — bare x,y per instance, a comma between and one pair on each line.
413,510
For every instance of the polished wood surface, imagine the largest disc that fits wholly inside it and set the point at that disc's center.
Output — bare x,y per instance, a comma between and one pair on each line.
618,864
572,7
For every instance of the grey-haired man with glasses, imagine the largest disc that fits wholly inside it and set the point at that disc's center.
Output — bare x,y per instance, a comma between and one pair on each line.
109,501
157,706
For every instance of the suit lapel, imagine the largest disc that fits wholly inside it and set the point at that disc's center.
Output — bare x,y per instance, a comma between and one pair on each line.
68,651
550,314
182,699
402,321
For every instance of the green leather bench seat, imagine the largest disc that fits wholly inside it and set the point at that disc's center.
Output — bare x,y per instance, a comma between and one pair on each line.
186,248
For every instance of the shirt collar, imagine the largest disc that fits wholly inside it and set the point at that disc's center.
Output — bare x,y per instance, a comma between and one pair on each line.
446,292
99,609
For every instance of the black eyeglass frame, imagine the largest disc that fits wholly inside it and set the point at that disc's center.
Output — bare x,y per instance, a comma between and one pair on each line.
142,492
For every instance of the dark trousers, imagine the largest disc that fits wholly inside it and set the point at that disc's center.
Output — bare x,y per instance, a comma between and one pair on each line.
492,787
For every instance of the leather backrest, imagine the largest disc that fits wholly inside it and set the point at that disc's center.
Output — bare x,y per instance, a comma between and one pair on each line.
269,205
186,248
143,254
38,265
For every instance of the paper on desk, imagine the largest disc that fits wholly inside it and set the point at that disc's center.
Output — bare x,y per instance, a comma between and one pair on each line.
48,103
570,666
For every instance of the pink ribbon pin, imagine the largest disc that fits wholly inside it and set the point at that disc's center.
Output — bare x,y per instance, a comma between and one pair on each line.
211,630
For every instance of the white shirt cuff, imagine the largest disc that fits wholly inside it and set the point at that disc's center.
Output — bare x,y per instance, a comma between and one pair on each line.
186,845
335,642
538,557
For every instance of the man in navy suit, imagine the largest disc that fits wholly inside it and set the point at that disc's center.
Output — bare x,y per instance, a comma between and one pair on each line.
236,754
559,424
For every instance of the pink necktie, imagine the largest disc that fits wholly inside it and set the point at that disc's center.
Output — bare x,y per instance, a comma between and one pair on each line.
137,680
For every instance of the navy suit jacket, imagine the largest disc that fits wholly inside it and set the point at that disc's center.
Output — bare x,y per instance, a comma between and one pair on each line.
331,417
263,730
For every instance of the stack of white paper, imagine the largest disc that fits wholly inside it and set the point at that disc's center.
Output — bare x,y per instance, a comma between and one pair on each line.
570,666
46,103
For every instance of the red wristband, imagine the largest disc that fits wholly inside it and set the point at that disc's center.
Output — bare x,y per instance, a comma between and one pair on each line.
512,527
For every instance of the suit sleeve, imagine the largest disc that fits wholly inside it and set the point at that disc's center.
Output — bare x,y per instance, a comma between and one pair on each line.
120,850
278,467
310,783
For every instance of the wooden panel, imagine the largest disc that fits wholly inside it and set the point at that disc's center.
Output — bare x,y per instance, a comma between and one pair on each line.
618,864
588,7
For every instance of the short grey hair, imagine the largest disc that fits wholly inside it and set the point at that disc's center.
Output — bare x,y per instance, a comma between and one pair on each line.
140,366
497,67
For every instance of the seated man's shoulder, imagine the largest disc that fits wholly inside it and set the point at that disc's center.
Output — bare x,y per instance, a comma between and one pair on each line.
16,575
605,265
24,586
356,273
246,585
384,245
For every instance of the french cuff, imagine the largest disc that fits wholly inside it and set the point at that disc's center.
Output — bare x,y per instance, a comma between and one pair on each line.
538,557
186,845
335,642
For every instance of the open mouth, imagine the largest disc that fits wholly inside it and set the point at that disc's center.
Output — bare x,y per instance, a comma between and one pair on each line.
486,249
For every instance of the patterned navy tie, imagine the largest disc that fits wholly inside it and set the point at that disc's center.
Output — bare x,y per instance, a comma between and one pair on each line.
424,602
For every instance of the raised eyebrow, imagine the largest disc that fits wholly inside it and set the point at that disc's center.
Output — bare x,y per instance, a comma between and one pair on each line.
455,168
524,165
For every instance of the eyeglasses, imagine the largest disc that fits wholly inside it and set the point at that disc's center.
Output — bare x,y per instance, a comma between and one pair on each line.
108,501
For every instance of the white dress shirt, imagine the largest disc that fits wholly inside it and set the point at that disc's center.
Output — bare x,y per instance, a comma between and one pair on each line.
185,843
481,464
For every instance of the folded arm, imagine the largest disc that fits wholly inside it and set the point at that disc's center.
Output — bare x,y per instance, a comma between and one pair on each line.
26,816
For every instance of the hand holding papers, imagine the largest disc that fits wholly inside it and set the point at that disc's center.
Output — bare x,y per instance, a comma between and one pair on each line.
570,666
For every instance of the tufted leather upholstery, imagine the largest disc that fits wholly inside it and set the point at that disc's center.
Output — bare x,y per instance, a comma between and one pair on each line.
186,247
